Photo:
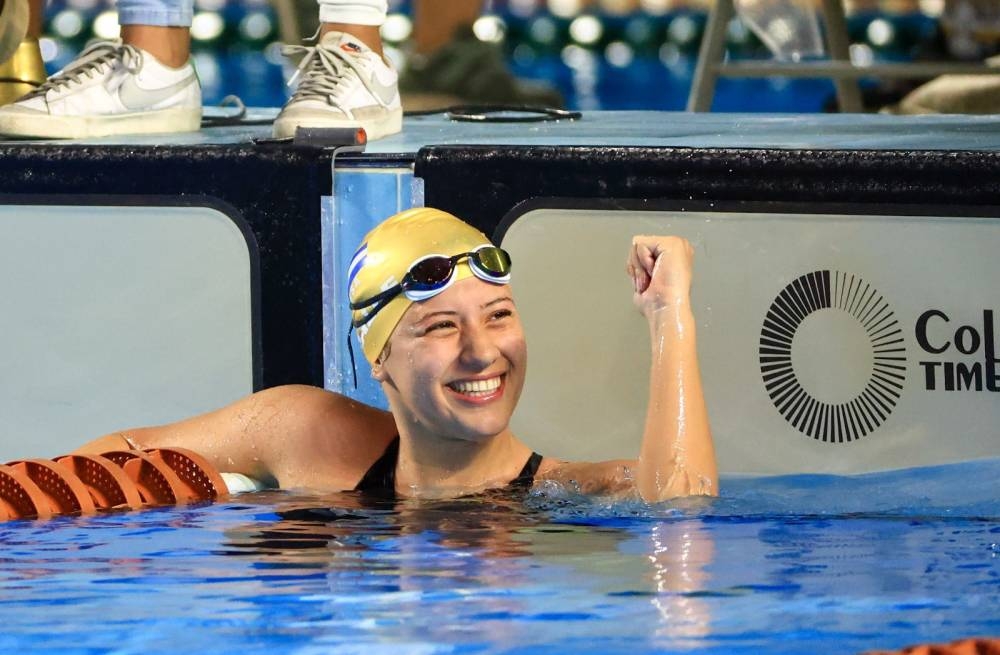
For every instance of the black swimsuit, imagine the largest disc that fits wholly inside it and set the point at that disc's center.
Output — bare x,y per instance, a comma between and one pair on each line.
381,477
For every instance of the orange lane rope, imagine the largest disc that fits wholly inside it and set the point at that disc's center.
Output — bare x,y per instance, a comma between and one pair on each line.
980,646
120,479
109,485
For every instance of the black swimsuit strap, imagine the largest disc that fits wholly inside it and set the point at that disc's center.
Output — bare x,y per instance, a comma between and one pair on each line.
381,477
526,477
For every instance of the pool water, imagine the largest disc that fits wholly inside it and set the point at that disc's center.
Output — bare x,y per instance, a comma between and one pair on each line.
778,565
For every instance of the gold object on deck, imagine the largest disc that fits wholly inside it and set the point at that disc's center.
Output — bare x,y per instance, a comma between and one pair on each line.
22,72
14,16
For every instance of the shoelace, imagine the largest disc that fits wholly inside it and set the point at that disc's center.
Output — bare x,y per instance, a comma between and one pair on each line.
90,63
323,71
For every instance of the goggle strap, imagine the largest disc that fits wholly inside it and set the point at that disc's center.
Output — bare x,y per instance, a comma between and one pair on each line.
350,350
392,291
374,310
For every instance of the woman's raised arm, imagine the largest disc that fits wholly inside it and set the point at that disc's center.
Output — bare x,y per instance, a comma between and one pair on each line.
677,457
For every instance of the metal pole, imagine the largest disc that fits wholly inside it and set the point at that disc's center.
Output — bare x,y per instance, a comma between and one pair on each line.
848,92
710,56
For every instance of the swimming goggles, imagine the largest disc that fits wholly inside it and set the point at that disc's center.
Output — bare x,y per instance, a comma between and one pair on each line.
430,275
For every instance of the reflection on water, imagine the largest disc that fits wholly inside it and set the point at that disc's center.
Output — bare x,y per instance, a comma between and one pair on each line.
778,565
471,569
680,554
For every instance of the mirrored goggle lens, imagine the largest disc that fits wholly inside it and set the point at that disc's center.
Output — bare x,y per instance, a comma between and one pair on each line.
429,273
493,261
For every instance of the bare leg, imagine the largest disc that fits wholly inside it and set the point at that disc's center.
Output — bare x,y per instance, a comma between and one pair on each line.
368,34
171,45
435,21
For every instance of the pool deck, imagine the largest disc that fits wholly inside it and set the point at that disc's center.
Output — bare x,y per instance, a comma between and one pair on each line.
640,128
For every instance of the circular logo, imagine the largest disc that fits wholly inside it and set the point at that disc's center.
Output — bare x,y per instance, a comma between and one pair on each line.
832,356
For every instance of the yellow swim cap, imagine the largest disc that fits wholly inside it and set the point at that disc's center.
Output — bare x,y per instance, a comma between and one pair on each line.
386,255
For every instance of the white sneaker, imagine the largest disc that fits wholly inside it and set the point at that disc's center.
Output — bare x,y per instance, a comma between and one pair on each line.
109,89
343,83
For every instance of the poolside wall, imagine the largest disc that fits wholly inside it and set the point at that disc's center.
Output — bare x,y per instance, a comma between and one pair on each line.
918,227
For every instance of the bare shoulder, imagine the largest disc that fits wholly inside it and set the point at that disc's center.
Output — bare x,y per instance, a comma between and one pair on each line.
290,436
614,477
302,403
330,439
309,403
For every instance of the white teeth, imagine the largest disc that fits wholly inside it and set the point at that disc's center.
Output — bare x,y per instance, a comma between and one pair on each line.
476,386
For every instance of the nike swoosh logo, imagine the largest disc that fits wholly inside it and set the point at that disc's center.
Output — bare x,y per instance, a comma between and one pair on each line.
384,92
135,97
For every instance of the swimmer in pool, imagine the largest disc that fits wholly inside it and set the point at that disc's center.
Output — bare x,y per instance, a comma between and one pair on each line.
433,311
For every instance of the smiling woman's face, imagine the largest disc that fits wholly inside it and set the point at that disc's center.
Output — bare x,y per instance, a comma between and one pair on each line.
456,362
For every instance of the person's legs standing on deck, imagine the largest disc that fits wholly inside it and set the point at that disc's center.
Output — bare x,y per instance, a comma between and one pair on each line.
146,83
345,79
143,83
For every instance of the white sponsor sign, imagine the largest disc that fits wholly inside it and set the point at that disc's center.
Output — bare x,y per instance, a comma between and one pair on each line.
828,343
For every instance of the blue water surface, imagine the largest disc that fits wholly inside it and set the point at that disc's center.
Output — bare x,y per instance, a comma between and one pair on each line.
779,565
